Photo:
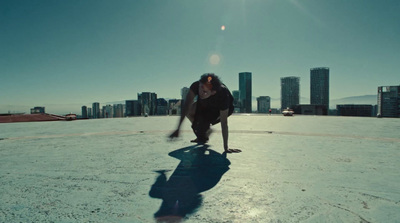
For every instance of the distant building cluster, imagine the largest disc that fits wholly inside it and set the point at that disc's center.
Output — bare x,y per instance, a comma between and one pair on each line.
147,103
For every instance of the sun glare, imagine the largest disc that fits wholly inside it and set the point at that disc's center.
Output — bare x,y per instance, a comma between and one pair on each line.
214,59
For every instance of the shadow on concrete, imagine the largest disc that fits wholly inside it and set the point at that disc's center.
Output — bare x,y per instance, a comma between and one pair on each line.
200,169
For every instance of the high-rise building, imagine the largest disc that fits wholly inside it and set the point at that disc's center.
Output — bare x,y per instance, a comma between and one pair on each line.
245,96
96,110
263,104
118,110
84,112
290,92
389,101
89,111
319,86
108,111
132,108
148,103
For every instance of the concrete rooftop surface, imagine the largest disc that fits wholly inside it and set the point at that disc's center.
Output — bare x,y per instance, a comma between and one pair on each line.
291,169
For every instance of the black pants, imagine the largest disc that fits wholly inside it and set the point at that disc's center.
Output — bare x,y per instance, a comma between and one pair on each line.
203,119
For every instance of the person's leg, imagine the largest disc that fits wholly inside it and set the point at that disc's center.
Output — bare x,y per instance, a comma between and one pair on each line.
200,127
203,120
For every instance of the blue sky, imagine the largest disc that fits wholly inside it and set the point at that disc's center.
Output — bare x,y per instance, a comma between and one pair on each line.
78,52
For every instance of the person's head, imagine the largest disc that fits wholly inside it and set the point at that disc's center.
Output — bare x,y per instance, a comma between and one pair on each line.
209,85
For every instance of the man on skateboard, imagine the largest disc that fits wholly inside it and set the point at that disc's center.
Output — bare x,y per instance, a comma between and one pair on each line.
214,105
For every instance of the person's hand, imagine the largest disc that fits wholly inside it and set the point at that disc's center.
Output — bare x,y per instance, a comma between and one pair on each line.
232,150
175,134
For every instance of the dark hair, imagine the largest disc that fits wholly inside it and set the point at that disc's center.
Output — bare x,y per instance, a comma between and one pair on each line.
211,80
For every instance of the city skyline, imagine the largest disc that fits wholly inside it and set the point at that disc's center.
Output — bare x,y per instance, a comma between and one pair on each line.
62,109
78,52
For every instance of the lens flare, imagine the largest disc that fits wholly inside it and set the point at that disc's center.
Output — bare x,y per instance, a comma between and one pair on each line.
214,59
222,28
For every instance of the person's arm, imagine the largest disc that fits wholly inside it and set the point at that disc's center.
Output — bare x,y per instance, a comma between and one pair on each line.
188,101
224,127
225,132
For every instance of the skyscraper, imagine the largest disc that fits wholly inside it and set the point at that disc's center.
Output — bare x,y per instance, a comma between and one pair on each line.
118,110
245,92
132,108
290,92
84,112
89,111
96,110
389,101
148,103
108,111
263,104
319,84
